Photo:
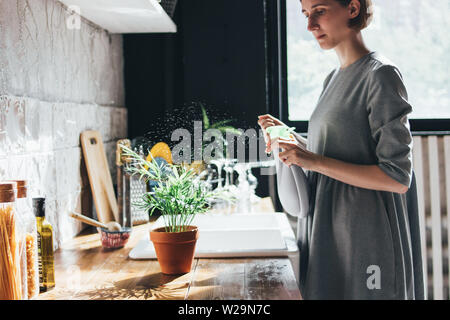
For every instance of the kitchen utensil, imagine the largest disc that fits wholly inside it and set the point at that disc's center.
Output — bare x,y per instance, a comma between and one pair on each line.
138,188
130,189
112,234
99,176
123,183
110,226
114,239
293,188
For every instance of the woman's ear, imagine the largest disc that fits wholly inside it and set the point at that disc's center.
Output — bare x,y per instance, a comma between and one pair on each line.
354,8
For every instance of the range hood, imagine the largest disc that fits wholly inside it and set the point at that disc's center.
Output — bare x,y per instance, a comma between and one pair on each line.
124,16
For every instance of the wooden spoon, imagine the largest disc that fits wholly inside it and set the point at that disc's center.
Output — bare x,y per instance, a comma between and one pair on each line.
110,226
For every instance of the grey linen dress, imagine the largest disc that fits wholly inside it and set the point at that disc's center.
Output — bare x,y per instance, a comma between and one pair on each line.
350,233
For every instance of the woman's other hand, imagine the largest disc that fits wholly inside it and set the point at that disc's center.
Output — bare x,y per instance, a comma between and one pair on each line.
266,121
294,153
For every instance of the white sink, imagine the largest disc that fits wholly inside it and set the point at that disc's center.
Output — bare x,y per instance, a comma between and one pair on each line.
232,235
235,221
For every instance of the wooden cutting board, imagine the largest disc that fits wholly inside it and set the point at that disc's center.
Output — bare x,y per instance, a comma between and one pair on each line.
99,176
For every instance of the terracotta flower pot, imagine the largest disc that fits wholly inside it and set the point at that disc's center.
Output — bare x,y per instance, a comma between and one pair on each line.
174,250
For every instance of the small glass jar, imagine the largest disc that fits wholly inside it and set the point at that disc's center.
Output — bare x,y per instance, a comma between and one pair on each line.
12,243
25,210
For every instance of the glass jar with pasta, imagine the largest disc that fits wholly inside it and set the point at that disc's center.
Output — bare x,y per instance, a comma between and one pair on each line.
25,210
12,243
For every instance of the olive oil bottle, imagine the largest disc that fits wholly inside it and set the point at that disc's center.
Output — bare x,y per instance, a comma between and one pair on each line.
45,247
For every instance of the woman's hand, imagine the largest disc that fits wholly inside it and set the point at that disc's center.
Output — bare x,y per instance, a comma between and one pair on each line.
294,153
266,121
363,176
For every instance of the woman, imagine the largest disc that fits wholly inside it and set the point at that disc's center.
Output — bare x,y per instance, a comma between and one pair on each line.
357,242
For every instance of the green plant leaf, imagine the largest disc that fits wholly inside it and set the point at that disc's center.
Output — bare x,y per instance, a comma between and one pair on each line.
205,117
218,124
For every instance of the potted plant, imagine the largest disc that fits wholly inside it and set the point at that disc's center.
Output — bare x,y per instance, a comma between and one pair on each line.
179,195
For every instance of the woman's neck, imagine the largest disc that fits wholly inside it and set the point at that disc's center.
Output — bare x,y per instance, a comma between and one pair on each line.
351,49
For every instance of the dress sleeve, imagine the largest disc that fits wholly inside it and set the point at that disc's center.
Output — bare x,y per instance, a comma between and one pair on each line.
388,110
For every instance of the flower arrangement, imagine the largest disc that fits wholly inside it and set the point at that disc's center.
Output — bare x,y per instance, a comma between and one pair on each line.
179,194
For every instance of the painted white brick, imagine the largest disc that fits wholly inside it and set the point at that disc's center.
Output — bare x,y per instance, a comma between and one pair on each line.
87,118
115,123
104,118
3,168
65,131
13,125
123,128
41,175
46,126
46,60
67,164
67,226
32,125
3,132
33,119
17,167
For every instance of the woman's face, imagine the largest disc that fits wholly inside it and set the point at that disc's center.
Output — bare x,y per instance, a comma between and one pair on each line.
327,21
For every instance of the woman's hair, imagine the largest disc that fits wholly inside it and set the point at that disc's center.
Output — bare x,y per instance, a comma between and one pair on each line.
365,14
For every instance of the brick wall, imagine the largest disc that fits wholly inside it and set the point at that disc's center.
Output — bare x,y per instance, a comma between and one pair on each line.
56,82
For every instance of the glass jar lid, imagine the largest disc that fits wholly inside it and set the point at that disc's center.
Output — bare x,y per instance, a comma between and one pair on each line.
7,192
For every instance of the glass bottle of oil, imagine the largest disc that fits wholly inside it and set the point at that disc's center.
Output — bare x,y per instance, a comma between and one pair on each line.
45,247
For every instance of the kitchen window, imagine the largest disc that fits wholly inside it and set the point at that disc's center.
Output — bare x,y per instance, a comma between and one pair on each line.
411,33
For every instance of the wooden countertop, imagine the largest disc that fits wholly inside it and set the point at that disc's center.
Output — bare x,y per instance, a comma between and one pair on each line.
86,271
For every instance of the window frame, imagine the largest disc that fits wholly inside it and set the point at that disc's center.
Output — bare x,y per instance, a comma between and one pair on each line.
277,43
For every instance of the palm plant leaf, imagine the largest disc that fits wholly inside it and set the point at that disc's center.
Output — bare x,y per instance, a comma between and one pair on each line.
218,124
205,117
